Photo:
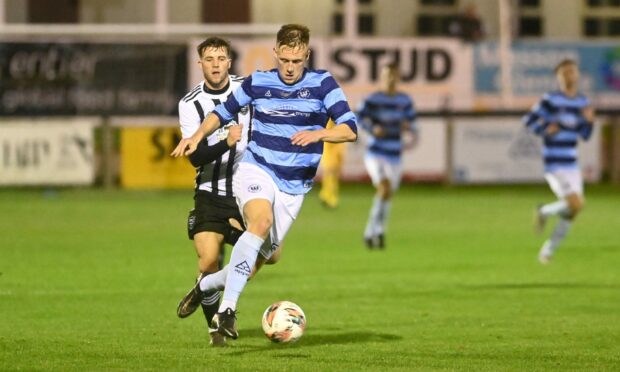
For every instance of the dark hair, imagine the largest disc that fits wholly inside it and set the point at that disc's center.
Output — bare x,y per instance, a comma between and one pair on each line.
564,62
214,42
293,35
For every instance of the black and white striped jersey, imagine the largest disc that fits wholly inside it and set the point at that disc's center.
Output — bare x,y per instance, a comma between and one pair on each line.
214,177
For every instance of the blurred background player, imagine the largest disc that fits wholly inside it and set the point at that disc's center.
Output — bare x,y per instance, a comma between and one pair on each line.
560,118
292,106
331,164
386,115
214,204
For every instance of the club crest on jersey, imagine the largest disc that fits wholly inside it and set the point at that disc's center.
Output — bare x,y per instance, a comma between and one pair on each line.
303,93
244,110
254,188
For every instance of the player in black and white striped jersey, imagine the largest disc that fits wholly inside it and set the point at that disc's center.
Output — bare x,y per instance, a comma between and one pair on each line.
214,203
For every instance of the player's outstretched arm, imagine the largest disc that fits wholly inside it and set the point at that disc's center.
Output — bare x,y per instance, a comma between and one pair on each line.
337,134
206,153
188,145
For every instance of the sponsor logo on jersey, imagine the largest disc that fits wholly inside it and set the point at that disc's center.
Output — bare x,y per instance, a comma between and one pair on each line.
268,93
254,188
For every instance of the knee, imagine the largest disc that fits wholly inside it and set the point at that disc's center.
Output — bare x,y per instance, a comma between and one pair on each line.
275,257
206,265
385,190
576,205
260,226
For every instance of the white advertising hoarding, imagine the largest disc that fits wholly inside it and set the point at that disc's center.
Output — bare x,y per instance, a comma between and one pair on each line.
425,162
500,150
46,152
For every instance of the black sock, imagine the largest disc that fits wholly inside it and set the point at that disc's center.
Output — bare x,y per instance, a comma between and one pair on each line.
210,304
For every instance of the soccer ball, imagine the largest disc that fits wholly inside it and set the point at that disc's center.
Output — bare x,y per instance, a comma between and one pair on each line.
284,321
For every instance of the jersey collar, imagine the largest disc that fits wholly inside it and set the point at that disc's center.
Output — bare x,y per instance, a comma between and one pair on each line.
291,84
208,90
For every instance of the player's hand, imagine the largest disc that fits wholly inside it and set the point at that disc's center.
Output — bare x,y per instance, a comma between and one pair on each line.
378,131
552,129
234,134
410,140
306,137
588,113
185,147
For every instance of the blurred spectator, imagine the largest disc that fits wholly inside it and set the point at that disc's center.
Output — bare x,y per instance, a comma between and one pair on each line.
468,25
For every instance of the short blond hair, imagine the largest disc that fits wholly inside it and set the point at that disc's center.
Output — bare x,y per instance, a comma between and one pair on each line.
565,62
293,36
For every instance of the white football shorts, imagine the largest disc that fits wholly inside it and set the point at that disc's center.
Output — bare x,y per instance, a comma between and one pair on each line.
380,168
251,182
564,182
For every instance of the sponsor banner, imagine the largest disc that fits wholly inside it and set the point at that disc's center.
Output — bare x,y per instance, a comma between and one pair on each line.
435,72
425,162
500,150
146,160
533,71
91,79
49,152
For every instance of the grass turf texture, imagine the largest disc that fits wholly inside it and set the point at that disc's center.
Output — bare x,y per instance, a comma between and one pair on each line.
90,280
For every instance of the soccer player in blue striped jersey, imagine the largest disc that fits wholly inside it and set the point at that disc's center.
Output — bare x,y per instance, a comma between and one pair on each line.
387,116
561,118
292,106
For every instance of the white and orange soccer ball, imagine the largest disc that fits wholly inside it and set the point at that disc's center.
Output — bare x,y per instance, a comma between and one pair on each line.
284,321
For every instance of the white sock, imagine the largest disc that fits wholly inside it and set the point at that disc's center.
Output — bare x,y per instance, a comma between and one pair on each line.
559,233
242,260
373,218
215,281
384,211
558,208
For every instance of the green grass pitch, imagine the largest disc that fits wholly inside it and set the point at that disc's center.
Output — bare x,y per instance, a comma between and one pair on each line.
90,280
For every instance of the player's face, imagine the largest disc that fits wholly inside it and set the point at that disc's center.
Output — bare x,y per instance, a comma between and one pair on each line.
389,79
215,65
290,62
568,76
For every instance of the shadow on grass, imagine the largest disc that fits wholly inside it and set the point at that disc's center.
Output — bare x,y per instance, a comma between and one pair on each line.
515,286
313,339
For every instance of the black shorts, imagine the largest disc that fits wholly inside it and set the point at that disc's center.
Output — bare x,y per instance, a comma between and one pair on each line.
211,213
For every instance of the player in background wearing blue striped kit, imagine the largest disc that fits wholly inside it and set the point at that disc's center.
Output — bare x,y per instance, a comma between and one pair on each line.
389,118
560,118
292,106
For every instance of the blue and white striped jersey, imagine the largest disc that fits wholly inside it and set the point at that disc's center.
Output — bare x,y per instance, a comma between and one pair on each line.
281,110
388,112
560,149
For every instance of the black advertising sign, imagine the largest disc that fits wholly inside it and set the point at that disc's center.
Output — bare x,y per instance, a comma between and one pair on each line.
91,79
